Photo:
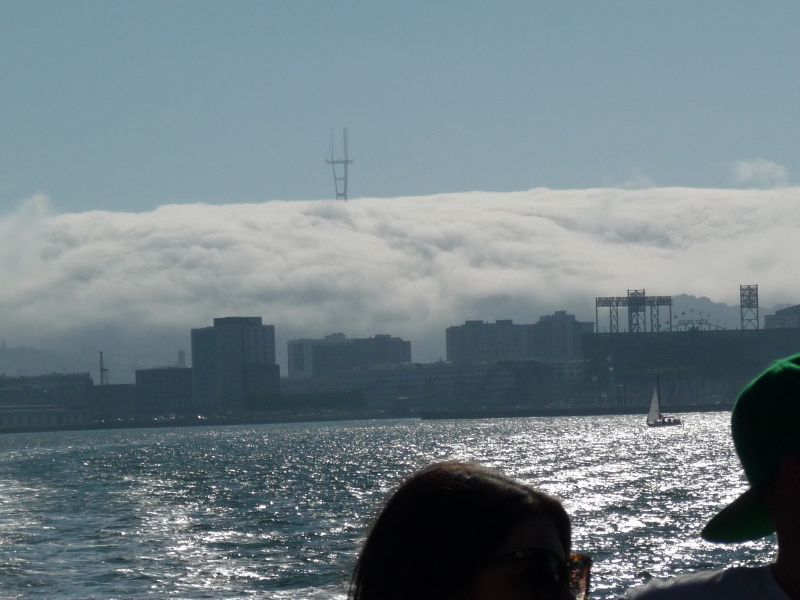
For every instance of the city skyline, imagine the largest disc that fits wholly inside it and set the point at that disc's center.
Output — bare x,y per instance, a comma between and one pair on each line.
558,364
684,317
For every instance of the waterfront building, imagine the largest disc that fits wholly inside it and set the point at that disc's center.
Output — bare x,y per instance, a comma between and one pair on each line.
63,390
337,354
233,364
785,317
20,418
44,401
694,367
164,390
412,388
114,401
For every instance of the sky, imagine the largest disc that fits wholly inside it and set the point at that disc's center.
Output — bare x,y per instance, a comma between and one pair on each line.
162,163
131,105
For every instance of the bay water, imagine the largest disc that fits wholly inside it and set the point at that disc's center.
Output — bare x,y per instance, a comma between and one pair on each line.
278,511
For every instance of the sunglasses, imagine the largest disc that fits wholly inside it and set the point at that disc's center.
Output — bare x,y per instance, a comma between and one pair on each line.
551,575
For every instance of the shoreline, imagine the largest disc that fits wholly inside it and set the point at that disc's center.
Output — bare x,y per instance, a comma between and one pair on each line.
430,415
576,411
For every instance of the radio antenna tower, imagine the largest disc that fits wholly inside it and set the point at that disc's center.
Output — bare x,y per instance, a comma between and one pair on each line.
340,181
103,371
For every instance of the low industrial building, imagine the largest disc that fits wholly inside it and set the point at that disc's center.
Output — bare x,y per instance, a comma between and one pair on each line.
45,401
164,391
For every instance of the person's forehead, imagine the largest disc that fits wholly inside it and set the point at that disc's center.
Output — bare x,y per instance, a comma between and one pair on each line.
537,531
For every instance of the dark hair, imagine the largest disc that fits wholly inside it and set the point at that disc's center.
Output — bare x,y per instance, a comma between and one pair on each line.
439,526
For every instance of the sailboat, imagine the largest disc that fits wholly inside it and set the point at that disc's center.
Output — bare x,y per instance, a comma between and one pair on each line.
654,416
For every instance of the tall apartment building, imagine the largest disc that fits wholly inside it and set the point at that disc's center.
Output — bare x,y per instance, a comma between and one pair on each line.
480,342
337,354
555,337
233,363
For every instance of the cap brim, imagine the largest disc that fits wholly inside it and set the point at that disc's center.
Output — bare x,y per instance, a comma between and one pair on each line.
744,519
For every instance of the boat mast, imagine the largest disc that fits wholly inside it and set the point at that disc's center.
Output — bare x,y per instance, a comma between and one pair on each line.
658,391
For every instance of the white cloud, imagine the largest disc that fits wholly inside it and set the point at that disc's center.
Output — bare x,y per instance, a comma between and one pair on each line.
759,172
405,266
637,181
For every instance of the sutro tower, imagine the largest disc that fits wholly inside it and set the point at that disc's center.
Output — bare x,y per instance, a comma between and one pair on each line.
341,193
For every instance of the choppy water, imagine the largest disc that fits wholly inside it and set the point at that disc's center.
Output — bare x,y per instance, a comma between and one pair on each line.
277,511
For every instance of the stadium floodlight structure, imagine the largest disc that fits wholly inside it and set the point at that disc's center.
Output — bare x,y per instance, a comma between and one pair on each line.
340,175
637,309
748,297
638,304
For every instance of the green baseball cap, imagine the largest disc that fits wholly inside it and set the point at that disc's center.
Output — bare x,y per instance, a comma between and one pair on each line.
764,425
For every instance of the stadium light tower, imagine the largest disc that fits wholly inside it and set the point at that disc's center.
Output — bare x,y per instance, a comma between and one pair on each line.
748,295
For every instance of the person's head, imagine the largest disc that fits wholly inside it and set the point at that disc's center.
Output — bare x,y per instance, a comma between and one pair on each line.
765,424
452,529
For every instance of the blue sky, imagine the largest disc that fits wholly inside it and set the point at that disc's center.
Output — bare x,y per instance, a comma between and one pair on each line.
131,105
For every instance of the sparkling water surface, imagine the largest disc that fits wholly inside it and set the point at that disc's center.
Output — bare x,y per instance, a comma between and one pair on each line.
277,511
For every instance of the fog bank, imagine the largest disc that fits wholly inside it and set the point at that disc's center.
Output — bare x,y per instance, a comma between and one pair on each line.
407,266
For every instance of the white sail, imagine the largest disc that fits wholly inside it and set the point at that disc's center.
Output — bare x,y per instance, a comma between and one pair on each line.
655,408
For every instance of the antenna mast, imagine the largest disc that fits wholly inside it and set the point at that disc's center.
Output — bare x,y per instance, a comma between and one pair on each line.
340,181
103,371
